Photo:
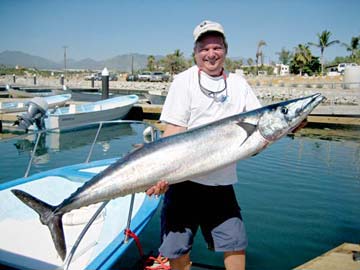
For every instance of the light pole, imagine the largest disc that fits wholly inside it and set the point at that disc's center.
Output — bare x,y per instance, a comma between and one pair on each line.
65,47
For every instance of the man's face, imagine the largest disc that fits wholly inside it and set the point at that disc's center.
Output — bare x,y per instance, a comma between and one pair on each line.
210,53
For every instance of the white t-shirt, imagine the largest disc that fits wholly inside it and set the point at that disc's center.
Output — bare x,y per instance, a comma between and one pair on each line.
187,106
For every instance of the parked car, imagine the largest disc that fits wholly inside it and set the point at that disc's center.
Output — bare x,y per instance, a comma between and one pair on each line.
97,76
88,77
159,76
113,77
144,76
131,77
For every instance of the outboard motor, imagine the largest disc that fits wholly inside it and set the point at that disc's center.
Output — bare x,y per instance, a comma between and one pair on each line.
36,113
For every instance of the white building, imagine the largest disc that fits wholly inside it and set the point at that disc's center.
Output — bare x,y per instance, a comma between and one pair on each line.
281,69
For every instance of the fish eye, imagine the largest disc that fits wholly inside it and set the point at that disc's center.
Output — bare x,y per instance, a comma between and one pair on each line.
284,110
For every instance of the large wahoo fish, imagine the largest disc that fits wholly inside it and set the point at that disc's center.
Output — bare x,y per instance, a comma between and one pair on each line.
178,158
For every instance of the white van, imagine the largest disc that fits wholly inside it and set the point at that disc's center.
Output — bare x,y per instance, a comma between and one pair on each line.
341,67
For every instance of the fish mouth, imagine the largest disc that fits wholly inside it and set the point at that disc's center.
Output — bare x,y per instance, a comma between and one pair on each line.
315,100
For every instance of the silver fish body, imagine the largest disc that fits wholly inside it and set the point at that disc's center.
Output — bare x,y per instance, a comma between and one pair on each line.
180,157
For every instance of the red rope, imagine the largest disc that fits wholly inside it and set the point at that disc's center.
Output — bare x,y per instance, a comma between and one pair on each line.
160,263
128,232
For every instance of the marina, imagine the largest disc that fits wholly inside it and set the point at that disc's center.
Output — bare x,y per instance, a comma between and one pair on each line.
301,204
275,201
337,123
325,115
83,87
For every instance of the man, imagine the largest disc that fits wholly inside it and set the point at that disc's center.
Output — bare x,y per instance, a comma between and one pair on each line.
197,96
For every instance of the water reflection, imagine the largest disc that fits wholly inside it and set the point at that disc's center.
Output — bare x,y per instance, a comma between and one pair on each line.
27,145
331,133
60,141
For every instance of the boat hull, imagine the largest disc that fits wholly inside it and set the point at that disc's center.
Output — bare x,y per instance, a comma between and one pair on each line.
30,92
156,97
78,115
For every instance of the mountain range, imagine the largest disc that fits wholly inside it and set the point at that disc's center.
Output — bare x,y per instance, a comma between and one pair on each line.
120,62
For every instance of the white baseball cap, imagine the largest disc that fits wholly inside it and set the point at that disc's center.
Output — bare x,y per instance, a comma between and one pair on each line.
207,26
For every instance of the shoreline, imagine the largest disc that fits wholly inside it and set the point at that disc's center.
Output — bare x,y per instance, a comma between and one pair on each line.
266,88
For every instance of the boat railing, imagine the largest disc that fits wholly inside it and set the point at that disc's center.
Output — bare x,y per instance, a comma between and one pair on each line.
154,135
155,131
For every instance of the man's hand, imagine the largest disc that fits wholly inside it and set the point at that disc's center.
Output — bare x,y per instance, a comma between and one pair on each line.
160,188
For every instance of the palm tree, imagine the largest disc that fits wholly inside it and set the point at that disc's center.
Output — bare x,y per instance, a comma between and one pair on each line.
259,53
353,46
323,43
151,63
284,56
302,56
175,62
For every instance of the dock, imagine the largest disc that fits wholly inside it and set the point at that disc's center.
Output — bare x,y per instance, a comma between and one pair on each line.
346,256
325,115
348,116
148,113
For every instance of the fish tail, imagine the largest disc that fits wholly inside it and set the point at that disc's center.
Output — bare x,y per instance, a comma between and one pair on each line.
47,217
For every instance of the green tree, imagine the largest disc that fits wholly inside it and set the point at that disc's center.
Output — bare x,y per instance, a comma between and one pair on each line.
175,63
323,42
151,63
284,56
232,65
302,57
353,47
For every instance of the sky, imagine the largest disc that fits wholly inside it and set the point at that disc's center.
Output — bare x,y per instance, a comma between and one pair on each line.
103,29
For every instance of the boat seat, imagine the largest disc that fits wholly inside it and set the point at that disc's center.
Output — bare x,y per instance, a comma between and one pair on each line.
72,108
82,215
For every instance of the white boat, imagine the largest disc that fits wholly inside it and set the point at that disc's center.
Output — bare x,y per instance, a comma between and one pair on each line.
156,96
4,91
104,110
95,235
29,92
26,244
21,105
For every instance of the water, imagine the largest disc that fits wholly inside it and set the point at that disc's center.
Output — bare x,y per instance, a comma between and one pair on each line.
299,198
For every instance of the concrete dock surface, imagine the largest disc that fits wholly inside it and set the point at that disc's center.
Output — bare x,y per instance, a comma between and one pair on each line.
339,258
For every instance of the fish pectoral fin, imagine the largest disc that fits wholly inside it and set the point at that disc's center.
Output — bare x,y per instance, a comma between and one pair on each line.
249,128
47,217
